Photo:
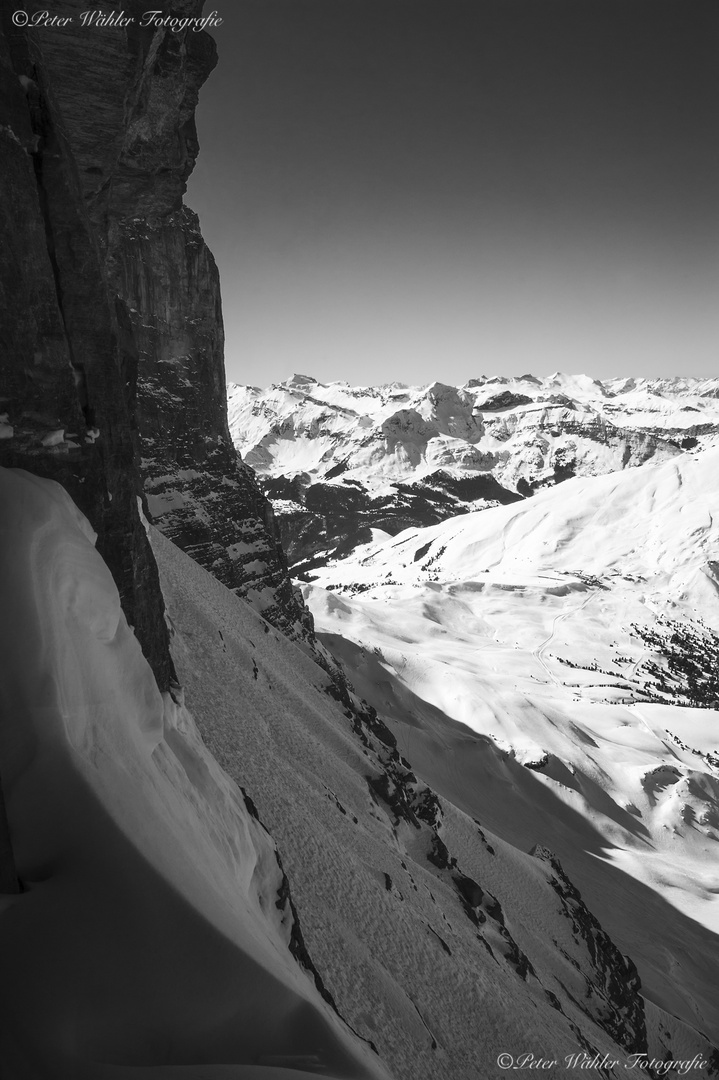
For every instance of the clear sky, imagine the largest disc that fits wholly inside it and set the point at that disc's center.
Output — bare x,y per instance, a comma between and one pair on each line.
438,189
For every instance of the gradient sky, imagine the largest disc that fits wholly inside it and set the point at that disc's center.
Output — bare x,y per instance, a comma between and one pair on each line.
438,189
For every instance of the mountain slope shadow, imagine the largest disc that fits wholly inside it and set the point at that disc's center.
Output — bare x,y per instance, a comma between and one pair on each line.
677,958
108,971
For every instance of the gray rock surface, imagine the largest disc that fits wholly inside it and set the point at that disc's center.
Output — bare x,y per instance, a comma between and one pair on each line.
68,358
115,344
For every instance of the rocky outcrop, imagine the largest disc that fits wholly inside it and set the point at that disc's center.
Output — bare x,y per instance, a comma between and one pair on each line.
608,984
323,522
124,280
505,400
452,411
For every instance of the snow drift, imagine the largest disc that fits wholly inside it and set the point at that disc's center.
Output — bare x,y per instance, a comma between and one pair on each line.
152,934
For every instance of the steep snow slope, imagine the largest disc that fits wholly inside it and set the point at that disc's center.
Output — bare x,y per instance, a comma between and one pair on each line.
541,665
441,943
151,936
154,929
340,460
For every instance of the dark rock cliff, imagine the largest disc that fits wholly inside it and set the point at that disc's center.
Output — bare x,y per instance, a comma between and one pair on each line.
115,341
68,360
134,178
199,493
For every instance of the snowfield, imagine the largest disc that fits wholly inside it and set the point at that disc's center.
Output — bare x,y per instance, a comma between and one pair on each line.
568,635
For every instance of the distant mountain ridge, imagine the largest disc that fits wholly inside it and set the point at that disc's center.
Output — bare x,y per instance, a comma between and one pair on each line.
340,461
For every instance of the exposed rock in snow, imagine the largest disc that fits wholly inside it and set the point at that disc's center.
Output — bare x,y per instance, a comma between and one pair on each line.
616,1002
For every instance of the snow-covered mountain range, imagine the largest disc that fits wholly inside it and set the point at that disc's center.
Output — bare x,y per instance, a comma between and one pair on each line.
339,461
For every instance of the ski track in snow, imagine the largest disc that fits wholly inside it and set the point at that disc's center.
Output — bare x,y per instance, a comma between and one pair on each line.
539,651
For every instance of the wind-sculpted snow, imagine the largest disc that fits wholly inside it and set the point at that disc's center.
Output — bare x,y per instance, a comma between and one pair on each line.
154,929
551,666
405,456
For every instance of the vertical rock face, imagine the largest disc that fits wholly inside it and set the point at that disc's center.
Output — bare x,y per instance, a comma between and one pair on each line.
68,361
118,341
198,492
134,175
